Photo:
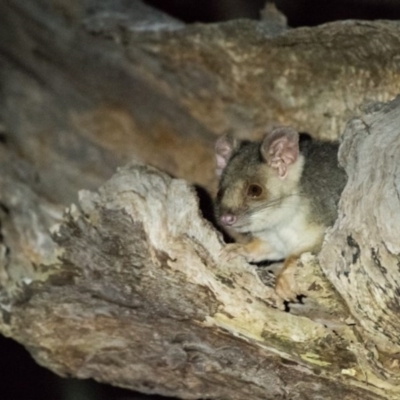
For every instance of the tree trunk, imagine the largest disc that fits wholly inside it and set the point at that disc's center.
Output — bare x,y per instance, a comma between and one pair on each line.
127,286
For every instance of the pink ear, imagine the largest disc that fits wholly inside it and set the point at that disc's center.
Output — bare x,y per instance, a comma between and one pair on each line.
280,149
224,148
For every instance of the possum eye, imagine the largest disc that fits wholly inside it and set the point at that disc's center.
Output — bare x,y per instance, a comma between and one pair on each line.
254,190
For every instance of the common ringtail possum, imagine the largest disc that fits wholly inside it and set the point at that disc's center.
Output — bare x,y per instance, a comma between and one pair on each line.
276,197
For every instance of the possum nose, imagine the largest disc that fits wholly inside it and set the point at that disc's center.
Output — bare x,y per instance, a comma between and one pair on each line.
228,219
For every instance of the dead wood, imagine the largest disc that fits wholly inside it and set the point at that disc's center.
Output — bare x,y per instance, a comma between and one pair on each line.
126,286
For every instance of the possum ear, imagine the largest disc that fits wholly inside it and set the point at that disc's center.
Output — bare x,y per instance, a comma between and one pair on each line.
280,149
225,146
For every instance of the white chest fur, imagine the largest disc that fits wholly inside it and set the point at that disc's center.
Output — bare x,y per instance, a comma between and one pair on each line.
290,233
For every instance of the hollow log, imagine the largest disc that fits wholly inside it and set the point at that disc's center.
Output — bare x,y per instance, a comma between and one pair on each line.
117,276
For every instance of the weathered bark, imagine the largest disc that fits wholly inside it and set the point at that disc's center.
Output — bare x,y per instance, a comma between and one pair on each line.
129,288
90,86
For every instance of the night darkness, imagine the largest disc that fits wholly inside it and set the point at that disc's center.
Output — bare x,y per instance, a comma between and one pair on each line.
21,378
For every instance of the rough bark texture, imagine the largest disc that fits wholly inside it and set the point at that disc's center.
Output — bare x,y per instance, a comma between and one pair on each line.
91,85
129,288
362,254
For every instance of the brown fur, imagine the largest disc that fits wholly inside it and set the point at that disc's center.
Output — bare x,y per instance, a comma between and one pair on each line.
301,184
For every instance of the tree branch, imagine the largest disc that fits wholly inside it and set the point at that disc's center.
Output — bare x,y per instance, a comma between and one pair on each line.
129,288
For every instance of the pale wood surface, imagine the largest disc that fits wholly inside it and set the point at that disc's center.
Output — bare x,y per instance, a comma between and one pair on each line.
129,288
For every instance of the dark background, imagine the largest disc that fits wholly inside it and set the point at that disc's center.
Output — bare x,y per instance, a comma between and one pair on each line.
20,377
298,12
